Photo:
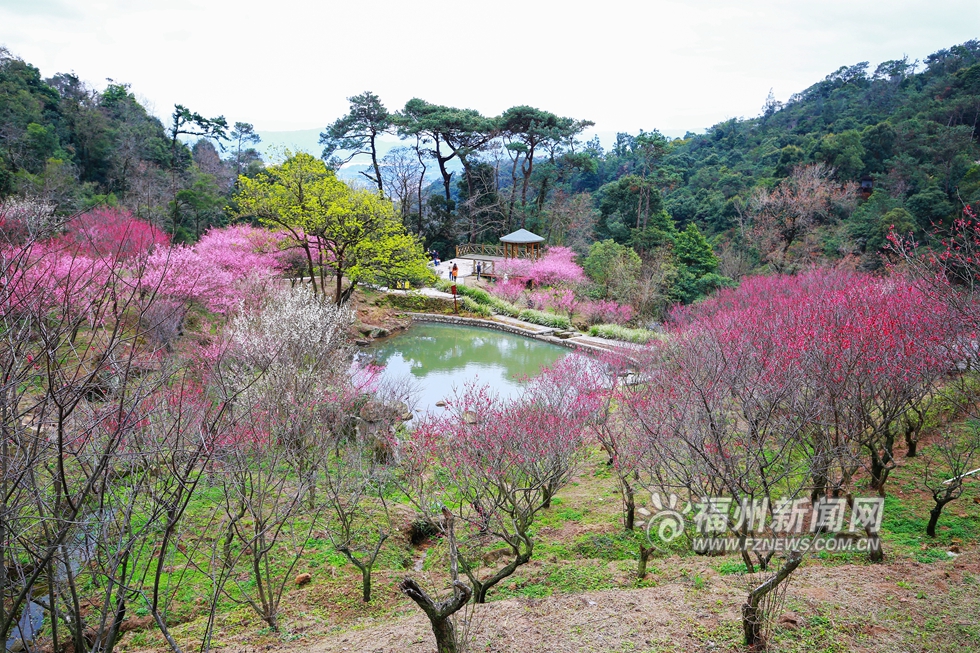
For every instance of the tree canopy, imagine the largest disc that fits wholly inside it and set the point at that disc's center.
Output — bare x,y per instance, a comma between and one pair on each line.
348,232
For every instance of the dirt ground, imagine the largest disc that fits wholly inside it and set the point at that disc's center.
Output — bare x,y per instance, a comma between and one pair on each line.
897,607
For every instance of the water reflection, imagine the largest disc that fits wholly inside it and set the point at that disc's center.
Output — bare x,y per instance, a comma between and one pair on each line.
443,356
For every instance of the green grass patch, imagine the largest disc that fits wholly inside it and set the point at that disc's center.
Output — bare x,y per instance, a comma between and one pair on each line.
580,578
617,332
731,568
545,319
606,546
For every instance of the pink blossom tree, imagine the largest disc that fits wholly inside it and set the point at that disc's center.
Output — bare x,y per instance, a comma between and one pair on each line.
494,464
218,269
107,232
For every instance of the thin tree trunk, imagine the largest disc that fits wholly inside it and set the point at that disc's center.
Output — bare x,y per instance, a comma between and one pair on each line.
751,616
641,567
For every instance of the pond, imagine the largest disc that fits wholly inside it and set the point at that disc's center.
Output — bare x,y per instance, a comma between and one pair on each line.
441,357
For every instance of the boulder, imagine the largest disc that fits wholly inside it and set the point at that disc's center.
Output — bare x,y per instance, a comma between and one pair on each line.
373,411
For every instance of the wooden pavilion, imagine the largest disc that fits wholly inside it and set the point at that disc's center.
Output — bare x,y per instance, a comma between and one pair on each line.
519,244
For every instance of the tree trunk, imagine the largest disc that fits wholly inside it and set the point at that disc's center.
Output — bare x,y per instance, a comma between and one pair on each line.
934,515
366,583
934,520
875,553
751,614
629,506
374,161
439,613
912,431
641,567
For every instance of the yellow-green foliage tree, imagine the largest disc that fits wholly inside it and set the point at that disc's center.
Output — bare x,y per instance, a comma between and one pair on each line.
348,232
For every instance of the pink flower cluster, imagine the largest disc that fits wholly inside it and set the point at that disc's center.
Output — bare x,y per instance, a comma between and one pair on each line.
834,326
216,270
527,443
511,290
607,312
557,266
111,233
75,267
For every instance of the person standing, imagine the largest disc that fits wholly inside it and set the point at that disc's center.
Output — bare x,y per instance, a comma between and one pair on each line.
455,272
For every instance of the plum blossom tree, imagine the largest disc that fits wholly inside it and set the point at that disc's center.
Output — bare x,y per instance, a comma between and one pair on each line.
217,269
788,385
494,464
114,233
557,266
286,361
105,436
723,419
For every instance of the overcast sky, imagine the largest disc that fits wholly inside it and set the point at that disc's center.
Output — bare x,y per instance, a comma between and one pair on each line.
291,64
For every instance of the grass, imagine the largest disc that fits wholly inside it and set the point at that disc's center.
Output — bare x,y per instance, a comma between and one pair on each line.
626,334
545,319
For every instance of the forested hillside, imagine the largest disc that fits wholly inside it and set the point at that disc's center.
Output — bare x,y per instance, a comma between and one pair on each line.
823,177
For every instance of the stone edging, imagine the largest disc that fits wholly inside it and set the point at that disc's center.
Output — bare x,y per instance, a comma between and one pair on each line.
544,334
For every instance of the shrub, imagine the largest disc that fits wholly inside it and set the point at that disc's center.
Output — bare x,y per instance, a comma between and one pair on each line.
607,312
501,307
420,303
478,295
545,319
618,332
510,290
471,305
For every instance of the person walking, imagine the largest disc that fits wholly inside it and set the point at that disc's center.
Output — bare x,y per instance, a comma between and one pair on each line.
455,272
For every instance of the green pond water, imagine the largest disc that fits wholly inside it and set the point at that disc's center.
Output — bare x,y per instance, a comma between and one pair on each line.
437,358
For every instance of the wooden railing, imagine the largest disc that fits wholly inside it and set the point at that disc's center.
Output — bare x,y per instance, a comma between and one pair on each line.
491,250
479,248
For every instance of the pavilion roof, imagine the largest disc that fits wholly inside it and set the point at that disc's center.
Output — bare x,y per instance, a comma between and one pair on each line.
521,237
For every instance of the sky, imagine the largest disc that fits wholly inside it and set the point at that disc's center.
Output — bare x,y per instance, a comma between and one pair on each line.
291,64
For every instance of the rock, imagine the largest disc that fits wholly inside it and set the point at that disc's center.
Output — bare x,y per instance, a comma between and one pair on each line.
303,579
361,342
373,411
791,621
379,332
401,409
